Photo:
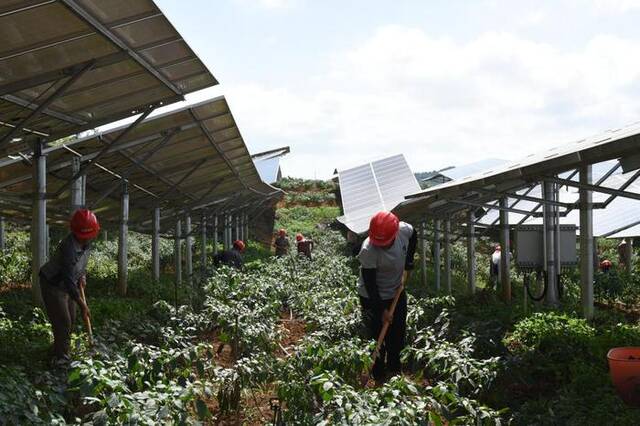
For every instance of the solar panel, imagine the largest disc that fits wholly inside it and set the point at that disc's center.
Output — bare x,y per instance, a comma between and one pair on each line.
268,169
72,65
375,186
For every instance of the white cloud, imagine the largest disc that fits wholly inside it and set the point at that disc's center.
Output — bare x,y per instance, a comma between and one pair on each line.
270,4
616,6
442,102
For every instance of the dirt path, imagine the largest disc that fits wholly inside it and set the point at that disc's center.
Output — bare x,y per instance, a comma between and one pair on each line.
255,407
293,330
631,313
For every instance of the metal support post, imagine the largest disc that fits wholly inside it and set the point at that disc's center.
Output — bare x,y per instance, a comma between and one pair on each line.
471,253
155,245
586,243
629,255
228,231
232,230
47,239
177,254
224,232
556,238
38,220
3,226
423,254
505,271
550,244
77,186
215,234
246,226
436,253
188,250
447,255
203,245
238,228
123,242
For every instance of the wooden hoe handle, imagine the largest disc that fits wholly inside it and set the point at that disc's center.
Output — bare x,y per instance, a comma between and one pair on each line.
392,309
86,319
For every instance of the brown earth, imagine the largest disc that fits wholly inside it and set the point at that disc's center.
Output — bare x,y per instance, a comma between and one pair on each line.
632,313
6,288
255,408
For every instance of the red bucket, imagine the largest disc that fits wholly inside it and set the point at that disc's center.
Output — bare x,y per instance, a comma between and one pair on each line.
624,366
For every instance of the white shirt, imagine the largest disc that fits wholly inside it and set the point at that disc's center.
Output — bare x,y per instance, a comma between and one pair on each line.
389,263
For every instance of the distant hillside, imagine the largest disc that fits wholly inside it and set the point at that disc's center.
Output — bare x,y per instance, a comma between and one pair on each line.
307,192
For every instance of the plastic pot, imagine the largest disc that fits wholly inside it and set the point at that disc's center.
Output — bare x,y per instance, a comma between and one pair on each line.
624,367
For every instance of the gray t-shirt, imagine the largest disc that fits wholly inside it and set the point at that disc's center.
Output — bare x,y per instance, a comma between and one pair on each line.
389,263
67,265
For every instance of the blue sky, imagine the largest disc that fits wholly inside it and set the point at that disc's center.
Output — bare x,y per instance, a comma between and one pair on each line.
444,82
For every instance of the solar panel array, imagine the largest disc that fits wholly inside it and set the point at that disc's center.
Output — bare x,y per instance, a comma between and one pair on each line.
67,66
483,189
183,159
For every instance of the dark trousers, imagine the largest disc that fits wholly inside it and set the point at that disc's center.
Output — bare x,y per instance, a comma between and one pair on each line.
61,310
389,359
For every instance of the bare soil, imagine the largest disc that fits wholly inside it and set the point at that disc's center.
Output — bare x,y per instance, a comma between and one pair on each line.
6,288
631,312
255,408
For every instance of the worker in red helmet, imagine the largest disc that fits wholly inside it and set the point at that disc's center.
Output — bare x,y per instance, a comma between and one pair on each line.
281,243
605,265
305,246
494,266
384,257
63,275
233,257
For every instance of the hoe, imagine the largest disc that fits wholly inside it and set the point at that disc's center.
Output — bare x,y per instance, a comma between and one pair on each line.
364,379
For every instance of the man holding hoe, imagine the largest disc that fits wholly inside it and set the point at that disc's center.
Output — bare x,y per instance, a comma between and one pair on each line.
386,257
63,278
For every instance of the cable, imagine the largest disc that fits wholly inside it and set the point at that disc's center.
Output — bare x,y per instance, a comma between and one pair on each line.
538,279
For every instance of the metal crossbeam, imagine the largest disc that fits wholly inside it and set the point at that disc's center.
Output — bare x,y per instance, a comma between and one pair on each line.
594,188
623,187
206,133
24,5
125,175
536,208
32,105
106,170
186,176
155,174
515,203
489,206
85,158
44,104
525,197
107,149
622,228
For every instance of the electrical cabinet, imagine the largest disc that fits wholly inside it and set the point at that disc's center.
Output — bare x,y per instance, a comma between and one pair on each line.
529,246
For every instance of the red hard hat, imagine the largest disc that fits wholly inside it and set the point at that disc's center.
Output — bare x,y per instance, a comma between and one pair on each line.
84,224
299,237
282,232
383,228
239,244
